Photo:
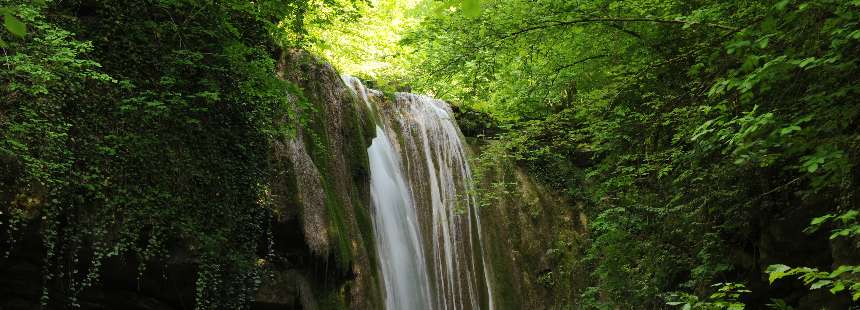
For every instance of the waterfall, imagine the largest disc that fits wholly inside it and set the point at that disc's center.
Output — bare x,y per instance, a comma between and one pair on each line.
425,219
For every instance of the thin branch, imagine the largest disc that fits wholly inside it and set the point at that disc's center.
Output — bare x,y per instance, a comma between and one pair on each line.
611,20
630,32
582,61
692,52
778,188
559,69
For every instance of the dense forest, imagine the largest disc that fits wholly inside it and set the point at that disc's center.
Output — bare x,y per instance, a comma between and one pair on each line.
642,154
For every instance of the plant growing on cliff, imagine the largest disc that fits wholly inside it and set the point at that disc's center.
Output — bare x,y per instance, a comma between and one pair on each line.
133,129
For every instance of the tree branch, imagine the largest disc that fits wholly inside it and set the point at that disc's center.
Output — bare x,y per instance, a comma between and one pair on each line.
611,20
630,32
581,61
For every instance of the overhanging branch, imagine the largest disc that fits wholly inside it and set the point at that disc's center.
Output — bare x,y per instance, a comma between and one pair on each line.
552,24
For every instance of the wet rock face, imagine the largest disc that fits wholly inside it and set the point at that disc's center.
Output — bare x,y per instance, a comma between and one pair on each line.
309,189
330,170
531,232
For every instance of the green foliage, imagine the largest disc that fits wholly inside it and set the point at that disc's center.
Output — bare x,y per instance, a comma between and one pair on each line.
474,123
816,279
368,46
845,277
847,224
687,128
131,129
727,296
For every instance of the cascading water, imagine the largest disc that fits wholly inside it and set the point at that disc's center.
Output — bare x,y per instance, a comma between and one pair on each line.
395,224
423,206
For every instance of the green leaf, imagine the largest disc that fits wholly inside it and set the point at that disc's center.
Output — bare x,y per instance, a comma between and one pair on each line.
14,25
821,219
840,233
471,8
789,129
762,43
776,272
838,287
848,216
806,62
840,270
819,284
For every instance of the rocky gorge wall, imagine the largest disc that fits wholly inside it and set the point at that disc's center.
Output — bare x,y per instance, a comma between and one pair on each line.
325,190
533,234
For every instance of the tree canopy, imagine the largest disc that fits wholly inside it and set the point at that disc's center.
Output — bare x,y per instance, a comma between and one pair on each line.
702,125
705,124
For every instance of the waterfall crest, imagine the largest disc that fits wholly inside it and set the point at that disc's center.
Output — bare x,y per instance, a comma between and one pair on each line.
423,205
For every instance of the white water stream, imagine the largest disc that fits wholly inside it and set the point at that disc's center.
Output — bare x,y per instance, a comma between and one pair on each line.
423,206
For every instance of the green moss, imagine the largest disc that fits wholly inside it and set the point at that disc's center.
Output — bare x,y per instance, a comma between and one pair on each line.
365,226
359,136
348,221
526,236
506,286
337,226
334,299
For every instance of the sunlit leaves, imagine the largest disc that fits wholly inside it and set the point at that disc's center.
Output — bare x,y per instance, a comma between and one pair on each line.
776,272
369,46
725,124
471,8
